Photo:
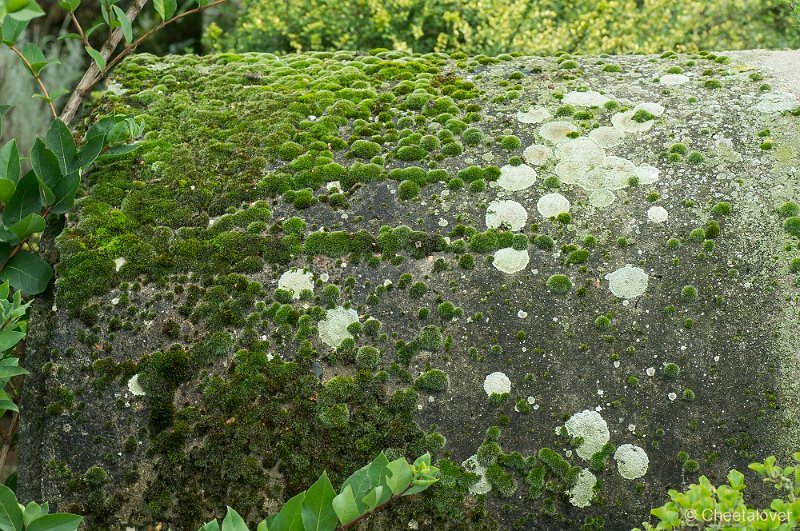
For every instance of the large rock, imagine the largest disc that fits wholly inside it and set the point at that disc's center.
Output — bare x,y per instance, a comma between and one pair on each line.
601,244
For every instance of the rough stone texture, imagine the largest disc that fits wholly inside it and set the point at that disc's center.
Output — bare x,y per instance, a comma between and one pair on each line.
206,216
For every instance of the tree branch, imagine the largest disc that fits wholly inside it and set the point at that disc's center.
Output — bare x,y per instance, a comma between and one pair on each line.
38,79
132,47
79,28
93,74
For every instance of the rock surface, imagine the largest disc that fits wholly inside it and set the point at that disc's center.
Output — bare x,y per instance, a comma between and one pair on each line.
655,311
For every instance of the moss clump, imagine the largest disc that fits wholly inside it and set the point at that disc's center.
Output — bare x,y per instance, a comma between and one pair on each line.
449,311
96,477
670,370
432,381
365,149
544,242
695,157
602,322
558,284
411,153
408,190
488,452
578,256
794,265
689,293
509,142
789,209
723,208
642,116
502,482
429,339
334,416
472,136
418,290
792,226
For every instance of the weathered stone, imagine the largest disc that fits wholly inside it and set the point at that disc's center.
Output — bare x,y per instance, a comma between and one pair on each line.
649,294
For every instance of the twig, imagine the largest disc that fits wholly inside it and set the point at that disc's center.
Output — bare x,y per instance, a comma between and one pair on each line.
7,445
79,29
92,74
132,46
36,77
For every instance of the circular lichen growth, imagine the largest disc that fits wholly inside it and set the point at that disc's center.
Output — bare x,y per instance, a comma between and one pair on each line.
558,284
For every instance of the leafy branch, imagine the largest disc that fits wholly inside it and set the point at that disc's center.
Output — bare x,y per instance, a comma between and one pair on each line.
320,508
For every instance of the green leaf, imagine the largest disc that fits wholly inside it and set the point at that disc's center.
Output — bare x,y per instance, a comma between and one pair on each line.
57,93
90,150
65,36
10,513
165,8
376,497
56,522
24,201
127,29
418,485
69,5
33,511
11,29
97,57
262,526
27,272
401,475
367,478
118,151
9,162
45,166
6,190
64,193
59,140
8,340
30,224
345,506
94,28
290,517
34,55
318,514
29,12
213,525
233,522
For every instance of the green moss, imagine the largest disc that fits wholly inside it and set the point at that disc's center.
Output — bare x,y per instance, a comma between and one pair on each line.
670,370
695,157
558,284
602,322
612,68
794,265
418,290
433,381
509,142
792,226
642,116
689,293
408,190
723,208
544,242
472,136
789,209
448,311
502,482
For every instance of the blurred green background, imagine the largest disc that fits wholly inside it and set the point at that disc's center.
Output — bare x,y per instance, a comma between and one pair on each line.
492,27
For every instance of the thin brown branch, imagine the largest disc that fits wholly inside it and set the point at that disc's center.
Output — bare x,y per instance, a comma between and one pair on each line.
79,29
132,46
93,74
38,79
12,428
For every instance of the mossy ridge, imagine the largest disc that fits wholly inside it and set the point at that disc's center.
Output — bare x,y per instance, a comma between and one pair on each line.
222,295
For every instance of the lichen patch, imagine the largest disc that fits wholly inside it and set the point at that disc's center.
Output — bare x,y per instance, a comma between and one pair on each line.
506,213
333,329
632,461
592,428
628,282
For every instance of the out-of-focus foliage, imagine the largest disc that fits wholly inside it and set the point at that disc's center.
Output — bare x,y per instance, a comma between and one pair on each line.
499,26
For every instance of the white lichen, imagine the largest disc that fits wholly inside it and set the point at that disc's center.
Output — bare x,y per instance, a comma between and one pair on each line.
496,383
628,282
118,263
556,132
482,486
589,98
510,260
537,154
775,102
533,116
625,122
646,173
607,137
673,80
656,109
135,387
581,494
333,329
515,178
632,461
551,205
601,198
657,214
509,214
592,428
296,281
